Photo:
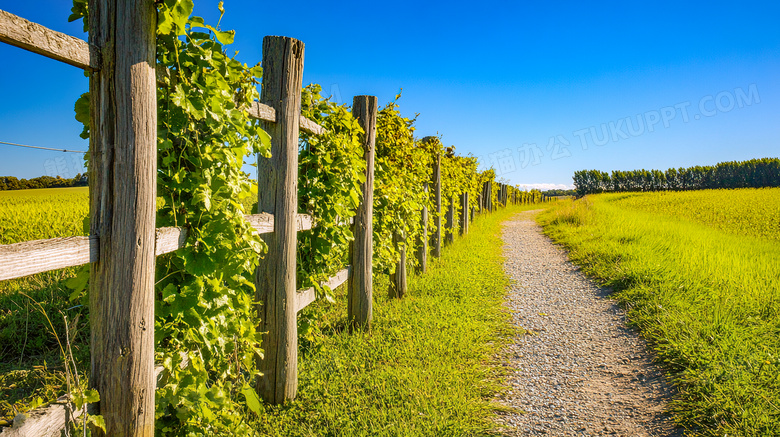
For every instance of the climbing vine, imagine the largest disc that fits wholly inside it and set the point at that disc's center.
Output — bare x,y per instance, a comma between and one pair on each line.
330,173
402,167
204,319
204,312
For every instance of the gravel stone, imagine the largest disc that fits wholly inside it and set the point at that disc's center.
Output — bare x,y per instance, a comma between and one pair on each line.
578,370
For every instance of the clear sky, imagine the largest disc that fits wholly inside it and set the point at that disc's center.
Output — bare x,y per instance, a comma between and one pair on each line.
536,90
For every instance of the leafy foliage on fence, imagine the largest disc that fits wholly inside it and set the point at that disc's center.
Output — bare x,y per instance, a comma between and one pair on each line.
205,322
204,303
330,170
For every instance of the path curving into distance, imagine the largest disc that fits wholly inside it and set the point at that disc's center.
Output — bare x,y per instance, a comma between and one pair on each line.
579,371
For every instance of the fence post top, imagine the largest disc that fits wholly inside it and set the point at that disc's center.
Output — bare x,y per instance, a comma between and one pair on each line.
279,37
364,102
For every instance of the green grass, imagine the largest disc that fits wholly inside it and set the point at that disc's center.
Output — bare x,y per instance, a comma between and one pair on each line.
424,369
700,276
754,212
31,370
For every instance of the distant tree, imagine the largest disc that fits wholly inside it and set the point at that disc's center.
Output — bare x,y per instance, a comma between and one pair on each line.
553,193
12,183
764,172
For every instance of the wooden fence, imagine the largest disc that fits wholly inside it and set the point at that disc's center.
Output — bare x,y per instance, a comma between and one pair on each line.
124,241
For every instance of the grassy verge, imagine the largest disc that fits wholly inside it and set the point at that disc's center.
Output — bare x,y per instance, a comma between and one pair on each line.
31,365
32,372
424,368
706,295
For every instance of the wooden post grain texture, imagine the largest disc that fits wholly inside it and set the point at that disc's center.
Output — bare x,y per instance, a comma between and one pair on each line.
359,303
277,179
436,249
123,181
449,227
422,243
398,278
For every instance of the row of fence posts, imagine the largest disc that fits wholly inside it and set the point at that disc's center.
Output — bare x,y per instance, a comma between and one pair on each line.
123,120
277,195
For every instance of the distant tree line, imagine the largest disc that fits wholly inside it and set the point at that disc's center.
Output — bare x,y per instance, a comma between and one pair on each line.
755,173
12,183
553,193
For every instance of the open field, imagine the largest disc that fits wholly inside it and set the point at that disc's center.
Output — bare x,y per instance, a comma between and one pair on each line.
45,213
754,212
699,275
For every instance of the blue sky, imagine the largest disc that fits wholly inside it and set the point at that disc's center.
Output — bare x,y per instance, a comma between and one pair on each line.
531,89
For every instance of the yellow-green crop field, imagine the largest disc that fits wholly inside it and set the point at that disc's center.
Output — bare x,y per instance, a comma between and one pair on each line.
39,214
753,212
699,273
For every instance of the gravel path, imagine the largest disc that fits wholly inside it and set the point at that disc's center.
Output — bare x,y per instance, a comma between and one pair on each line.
579,371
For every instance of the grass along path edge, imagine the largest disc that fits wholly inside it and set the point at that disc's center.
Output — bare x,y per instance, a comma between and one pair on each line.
427,367
707,300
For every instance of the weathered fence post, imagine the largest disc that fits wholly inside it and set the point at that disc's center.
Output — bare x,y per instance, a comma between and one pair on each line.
364,109
277,179
464,213
488,196
484,196
123,181
422,243
398,278
449,234
436,250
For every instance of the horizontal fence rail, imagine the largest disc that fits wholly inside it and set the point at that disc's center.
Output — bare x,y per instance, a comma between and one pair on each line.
18,32
261,111
52,420
31,257
48,421
307,296
278,300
